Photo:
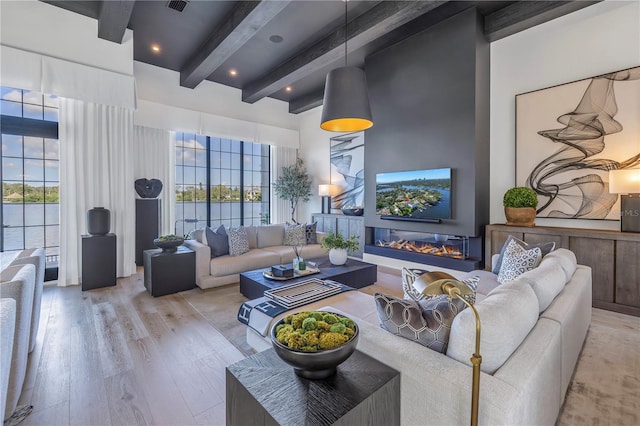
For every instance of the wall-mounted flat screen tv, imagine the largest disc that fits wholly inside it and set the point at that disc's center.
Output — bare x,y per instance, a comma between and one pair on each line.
417,195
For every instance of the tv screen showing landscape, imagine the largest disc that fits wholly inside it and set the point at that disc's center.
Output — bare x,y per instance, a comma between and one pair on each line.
417,194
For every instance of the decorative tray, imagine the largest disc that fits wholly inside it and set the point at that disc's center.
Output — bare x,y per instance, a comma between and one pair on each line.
291,296
296,274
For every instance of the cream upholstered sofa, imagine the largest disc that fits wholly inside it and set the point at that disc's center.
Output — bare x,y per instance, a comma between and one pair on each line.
533,330
266,248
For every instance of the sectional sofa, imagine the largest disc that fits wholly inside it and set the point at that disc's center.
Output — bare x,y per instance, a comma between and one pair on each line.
266,248
533,330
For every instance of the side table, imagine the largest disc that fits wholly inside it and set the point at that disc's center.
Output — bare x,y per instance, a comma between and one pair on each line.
98,261
169,272
263,390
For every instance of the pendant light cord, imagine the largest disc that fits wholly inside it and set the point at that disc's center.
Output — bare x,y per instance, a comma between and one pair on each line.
345,33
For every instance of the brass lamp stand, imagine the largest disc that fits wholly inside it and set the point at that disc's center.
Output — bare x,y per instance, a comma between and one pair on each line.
437,283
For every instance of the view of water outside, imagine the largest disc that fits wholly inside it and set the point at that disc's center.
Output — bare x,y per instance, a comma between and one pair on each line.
30,175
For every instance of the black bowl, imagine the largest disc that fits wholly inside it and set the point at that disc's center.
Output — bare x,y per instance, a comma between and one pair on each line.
314,365
353,212
168,246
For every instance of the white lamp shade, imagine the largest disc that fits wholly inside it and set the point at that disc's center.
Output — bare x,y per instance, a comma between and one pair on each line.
326,190
624,181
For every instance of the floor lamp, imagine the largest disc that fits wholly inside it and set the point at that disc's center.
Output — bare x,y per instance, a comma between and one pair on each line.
437,283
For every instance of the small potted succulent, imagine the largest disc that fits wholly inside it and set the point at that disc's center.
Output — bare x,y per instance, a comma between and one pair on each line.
339,247
520,206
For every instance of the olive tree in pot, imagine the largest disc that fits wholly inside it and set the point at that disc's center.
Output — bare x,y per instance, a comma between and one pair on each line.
293,184
520,206
339,247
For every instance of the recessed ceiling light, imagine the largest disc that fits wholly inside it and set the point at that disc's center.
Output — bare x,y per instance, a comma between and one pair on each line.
288,88
233,72
155,48
276,38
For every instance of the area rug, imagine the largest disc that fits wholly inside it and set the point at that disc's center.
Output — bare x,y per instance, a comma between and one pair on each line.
21,413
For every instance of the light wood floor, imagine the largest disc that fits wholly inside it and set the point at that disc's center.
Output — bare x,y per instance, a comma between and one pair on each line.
117,356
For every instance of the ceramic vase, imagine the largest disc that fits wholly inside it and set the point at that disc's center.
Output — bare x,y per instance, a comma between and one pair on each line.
98,221
338,256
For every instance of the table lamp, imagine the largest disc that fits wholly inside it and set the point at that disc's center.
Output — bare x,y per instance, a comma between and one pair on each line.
437,283
326,191
626,182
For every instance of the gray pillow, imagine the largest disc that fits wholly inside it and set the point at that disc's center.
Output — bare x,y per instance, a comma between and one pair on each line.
310,230
517,261
238,241
427,322
218,241
545,248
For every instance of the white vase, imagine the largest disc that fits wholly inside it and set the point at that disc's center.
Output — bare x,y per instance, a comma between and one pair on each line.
337,256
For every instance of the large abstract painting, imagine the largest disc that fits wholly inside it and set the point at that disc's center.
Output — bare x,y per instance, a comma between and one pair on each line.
568,164
347,169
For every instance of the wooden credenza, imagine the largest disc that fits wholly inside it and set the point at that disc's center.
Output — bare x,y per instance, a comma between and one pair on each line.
614,258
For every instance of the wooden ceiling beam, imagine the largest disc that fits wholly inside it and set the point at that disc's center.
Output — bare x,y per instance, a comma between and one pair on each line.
306,102
526,14
376,22
244,21
114,18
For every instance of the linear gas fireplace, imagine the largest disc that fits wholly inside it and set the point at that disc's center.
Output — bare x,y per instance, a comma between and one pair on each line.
459,252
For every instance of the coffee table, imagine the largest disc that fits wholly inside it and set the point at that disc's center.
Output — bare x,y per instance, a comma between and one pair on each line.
354,273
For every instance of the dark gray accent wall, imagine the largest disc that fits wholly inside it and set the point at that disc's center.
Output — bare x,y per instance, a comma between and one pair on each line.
430,101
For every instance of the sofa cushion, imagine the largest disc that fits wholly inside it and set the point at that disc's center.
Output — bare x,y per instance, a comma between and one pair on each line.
238,241
545,248
252,236
270,235
310,231
517,260
511,304
566,259
295,235
253,259
197,235
427,322
218,241
547,281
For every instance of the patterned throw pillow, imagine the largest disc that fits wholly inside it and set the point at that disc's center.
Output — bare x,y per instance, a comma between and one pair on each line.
238,241
218,241
295,235
410,275
310,230
517,260
427,322
545,248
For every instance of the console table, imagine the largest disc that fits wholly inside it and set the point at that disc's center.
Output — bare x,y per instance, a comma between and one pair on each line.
264,390
612,255
169,272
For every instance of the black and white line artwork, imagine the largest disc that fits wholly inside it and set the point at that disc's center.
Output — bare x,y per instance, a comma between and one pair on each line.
568,167
347,170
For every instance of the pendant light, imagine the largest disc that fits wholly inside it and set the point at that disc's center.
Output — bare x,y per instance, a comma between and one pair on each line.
346,102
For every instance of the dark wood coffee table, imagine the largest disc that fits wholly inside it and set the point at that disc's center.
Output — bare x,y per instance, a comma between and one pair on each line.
354,273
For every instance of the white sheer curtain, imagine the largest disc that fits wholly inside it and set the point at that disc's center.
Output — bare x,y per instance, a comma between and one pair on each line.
154,157
96,169
280,157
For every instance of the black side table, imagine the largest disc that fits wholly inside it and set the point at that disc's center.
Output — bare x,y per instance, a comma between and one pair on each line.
98,261
169,272
264,390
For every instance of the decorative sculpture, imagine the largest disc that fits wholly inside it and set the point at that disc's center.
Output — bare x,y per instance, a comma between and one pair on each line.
148,188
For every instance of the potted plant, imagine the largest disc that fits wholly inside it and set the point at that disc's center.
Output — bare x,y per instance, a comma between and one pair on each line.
292,185
520,206
339,247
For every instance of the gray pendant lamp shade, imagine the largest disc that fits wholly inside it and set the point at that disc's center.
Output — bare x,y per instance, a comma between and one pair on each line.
346,101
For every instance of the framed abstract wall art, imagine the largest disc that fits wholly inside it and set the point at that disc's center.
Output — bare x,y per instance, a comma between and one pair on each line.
347,169
569,136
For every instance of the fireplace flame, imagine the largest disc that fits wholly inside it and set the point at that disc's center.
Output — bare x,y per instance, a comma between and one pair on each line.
424,248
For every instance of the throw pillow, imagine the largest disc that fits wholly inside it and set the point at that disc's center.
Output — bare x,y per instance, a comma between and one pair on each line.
310,230
517,261
427,322
218,241
545,248
238,241
410,275
295,235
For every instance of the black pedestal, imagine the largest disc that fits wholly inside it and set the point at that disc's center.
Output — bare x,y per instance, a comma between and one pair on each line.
167,273
630,213
147,225
98,261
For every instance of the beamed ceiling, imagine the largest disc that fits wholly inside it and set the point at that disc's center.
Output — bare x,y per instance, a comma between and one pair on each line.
284,49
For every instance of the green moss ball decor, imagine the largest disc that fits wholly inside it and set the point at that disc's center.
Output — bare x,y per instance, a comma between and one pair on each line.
519,197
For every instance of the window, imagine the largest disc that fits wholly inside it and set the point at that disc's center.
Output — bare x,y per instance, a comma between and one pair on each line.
30,171
220,181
